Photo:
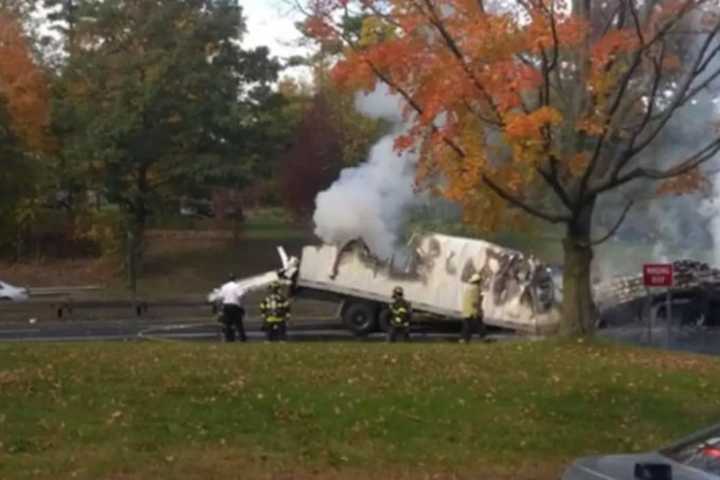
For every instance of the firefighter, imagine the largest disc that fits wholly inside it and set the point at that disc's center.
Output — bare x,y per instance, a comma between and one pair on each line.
231,294
275,309
400,316
472,310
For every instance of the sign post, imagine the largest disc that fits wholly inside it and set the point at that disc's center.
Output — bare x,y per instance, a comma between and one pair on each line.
658,275
647,314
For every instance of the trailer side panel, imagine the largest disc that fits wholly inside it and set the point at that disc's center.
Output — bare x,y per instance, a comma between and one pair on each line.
434,275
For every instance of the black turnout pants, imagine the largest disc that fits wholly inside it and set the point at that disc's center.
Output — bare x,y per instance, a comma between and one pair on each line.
472,325
398,330
232,322
276,331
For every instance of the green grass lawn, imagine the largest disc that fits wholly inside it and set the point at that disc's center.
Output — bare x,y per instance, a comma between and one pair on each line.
344,410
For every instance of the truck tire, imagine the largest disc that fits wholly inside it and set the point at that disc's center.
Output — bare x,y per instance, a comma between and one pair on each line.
384,320
360,318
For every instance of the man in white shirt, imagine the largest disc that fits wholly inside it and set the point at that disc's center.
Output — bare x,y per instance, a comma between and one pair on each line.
231,294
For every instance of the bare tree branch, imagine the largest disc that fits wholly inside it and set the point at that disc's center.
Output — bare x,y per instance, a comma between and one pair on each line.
513,200
553,182
684,93
454,48
636,22
415,106
612,231
384,16
609,20
620,96
657,79
693,161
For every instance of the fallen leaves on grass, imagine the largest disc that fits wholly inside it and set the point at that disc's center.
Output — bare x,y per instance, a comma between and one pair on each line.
468,406
12,378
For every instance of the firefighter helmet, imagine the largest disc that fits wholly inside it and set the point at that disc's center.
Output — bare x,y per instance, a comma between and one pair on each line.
274,287
397,292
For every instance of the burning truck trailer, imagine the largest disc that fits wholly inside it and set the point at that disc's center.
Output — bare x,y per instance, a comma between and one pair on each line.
434,272
520,292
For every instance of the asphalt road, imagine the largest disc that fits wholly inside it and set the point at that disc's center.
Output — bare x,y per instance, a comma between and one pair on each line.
178,321
188,320
685,338
306,330
705,341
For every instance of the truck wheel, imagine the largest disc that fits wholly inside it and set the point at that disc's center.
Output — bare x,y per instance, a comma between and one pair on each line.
360,318
384,320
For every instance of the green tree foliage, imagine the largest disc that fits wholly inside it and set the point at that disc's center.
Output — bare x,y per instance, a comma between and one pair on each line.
156,96
19,175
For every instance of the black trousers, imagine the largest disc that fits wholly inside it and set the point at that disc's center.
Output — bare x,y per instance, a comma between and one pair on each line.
470,326
276,331
233,321
402,330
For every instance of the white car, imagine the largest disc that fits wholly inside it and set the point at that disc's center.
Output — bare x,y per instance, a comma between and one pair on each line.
13,294
694,458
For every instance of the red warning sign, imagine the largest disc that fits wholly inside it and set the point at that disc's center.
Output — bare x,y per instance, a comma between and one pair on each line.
658,275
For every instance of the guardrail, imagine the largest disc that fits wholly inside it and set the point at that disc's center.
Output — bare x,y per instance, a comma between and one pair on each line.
58,291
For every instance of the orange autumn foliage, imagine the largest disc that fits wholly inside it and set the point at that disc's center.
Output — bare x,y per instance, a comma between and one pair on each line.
23,86
692,181
510,96
445,87
528,126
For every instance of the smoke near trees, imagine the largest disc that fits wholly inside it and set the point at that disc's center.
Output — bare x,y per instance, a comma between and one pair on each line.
331,135
372,200
577,95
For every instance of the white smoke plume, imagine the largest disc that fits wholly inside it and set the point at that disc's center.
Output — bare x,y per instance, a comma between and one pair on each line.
669,228
710,211
370,201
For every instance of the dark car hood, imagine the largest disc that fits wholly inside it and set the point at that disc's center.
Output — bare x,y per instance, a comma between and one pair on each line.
622,467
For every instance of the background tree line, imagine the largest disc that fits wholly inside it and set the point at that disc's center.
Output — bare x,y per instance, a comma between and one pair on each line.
112,111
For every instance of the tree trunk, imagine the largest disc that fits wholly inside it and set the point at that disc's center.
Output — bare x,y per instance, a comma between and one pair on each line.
19,243
579,312
131,261
135,250
136,231
236,231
